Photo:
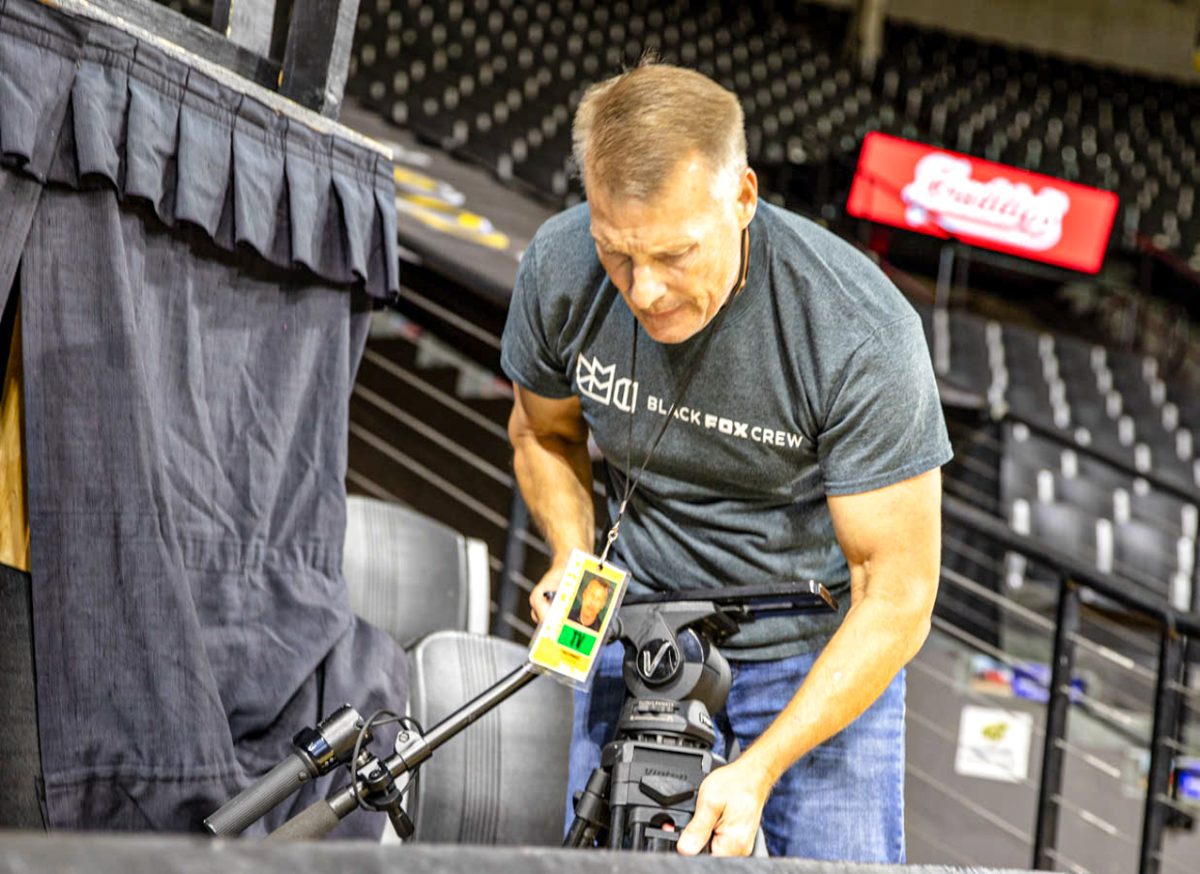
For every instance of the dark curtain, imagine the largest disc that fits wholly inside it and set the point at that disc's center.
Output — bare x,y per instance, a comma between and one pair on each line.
194,280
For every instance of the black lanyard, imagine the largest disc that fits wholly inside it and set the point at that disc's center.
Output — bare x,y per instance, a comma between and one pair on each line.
631,482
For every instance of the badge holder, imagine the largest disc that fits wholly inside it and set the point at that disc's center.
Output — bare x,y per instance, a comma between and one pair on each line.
567,643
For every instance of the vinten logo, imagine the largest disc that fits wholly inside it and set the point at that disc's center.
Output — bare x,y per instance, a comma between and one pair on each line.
943,193
658,661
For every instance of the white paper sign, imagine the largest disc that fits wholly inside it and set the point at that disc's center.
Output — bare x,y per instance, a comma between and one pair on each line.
993,744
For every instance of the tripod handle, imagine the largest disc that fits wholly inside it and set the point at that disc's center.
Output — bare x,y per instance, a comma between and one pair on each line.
246,807
315,821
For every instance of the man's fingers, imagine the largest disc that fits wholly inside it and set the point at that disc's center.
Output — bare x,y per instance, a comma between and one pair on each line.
540,600
693,838
737,840
537,606
727,813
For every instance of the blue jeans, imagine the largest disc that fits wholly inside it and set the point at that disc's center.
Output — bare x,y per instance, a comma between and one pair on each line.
844,801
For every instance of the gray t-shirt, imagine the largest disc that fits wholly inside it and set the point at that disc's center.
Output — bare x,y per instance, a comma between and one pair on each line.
818,382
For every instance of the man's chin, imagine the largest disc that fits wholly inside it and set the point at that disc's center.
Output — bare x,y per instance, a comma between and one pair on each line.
673,327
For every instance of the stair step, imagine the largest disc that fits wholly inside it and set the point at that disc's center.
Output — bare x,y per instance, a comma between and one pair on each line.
447,415
437,454
475,517
399,350
496,409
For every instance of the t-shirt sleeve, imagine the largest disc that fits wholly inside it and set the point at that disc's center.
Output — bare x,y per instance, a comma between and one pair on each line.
885,421
528,352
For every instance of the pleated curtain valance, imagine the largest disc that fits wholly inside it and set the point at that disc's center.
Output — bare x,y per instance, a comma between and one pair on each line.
84,104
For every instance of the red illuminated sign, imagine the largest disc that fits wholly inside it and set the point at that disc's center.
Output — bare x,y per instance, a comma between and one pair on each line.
994,206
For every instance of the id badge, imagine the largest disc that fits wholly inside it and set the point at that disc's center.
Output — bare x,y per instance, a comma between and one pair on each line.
568,641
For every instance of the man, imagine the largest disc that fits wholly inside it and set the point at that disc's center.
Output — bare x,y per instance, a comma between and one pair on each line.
804,441
588,609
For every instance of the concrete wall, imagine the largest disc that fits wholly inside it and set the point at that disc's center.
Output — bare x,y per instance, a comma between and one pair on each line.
1149,36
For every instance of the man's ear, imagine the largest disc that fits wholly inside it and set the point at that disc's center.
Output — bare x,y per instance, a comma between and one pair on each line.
747,197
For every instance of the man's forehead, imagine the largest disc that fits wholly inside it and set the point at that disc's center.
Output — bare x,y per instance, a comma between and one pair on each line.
645,227
675,217
649,239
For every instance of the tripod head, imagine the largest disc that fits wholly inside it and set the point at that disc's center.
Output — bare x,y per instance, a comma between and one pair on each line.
644,791
671,638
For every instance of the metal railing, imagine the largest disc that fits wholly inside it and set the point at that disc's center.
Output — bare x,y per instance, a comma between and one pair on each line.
1175,628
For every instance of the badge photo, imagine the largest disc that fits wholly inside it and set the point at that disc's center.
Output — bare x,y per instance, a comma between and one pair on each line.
568,641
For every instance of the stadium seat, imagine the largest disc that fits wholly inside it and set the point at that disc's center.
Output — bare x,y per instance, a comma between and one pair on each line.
503,779
1154,553
968,351
1069,529
411,575
1031,451
1168,512
1084,493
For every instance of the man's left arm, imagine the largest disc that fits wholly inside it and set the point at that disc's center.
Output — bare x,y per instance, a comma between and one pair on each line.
892,541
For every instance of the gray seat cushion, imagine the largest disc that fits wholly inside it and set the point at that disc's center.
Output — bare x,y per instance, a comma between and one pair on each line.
503,779
410,575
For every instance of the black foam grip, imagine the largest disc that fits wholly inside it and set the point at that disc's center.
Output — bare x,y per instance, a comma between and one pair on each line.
248,806
314,821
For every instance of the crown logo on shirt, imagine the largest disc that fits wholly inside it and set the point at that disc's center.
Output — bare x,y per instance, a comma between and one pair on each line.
598,382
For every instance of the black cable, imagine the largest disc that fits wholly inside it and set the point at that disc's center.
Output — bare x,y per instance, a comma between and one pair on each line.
372,721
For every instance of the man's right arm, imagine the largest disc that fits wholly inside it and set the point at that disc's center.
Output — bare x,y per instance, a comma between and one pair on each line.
554,472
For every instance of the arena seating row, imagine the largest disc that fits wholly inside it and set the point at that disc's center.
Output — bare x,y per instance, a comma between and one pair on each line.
1123,528
1113,401
1090,397
498,81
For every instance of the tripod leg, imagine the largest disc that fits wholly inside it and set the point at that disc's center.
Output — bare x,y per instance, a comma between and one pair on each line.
637,838
591,811
616,828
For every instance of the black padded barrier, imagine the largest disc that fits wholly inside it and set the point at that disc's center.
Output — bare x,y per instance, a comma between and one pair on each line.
107,854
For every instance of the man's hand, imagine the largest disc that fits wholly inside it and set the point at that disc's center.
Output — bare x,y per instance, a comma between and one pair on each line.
729,808
539,603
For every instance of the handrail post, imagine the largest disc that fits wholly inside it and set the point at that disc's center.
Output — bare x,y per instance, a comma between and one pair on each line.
1183,715
1166,710
1062,667
945,276
514,561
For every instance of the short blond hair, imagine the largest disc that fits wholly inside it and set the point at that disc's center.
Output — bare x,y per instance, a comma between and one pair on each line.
631,131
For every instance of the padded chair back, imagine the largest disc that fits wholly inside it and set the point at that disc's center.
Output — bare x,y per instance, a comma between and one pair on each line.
411,575
1028,450
1148,549
1066,527
20,754
504,778
1159,508
1087,494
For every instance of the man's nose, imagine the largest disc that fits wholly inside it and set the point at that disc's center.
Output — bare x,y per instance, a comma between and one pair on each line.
647,287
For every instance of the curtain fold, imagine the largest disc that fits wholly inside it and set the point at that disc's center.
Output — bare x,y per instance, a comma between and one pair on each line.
193,284
83,104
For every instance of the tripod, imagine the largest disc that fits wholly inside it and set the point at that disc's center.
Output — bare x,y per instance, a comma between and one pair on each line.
644,792
649,775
